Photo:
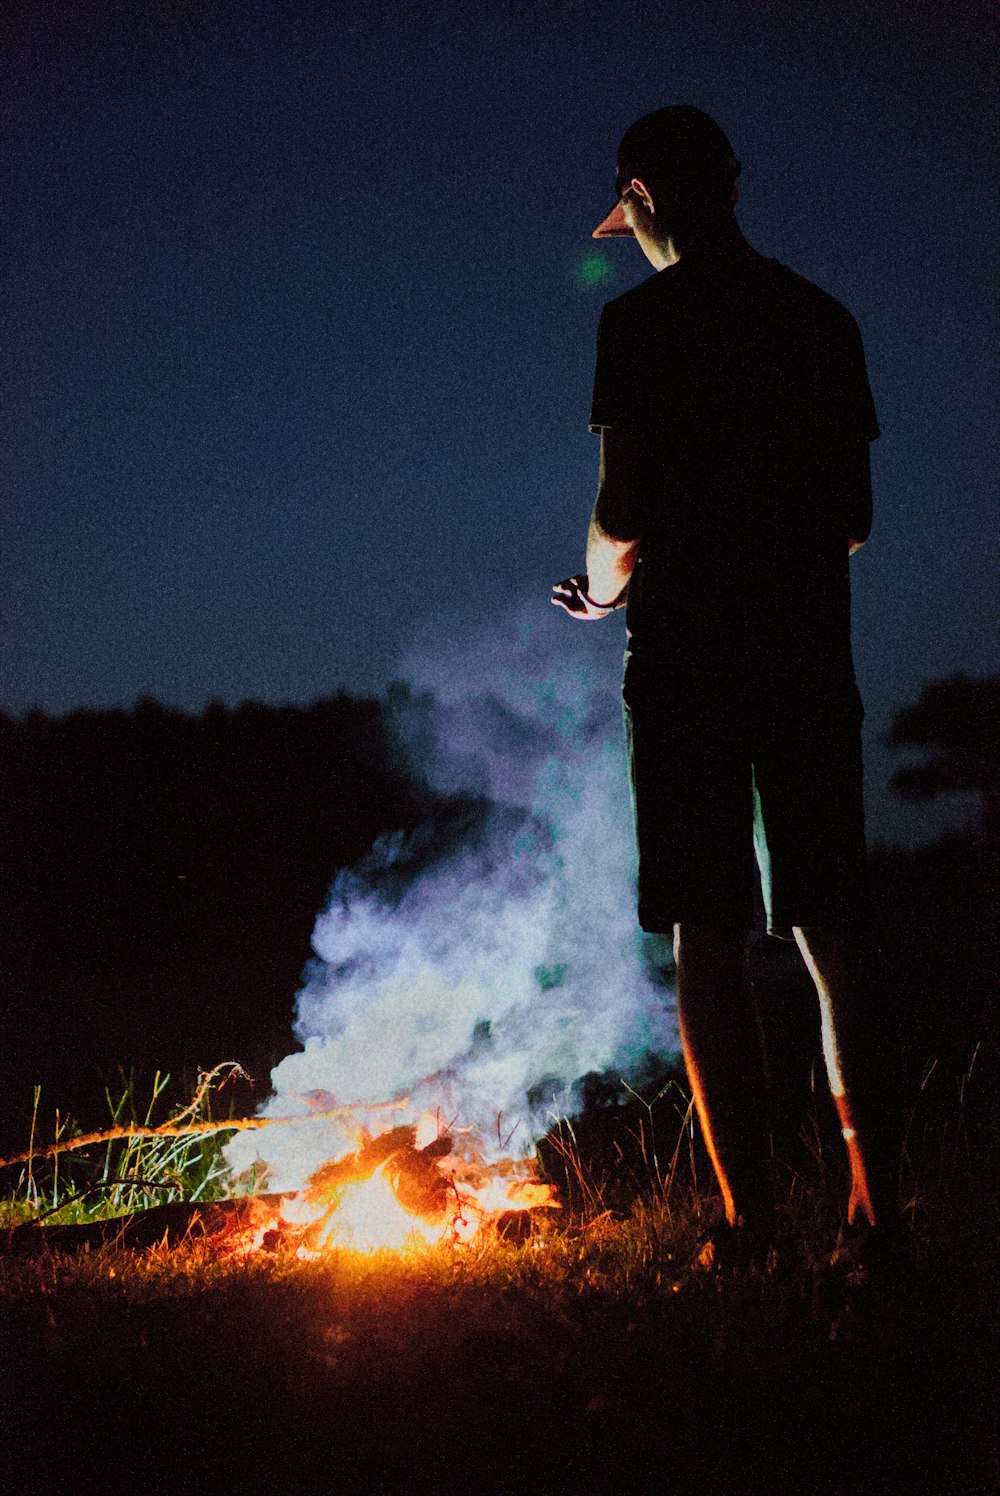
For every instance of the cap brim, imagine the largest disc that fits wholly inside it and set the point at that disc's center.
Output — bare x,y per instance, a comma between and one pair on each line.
614,226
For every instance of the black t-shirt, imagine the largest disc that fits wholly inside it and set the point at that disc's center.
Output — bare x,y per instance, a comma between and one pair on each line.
746,387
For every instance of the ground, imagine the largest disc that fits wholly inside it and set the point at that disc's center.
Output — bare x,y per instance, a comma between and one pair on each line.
587,1360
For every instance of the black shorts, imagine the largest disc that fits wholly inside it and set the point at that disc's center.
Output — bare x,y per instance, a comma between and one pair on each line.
717,778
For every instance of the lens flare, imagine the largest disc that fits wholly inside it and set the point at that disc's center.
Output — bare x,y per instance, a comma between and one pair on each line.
594,269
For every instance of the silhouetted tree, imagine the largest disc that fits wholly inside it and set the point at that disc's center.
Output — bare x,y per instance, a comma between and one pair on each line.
958,721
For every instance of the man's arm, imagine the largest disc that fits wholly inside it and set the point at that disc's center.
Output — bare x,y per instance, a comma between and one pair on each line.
612,551
610,562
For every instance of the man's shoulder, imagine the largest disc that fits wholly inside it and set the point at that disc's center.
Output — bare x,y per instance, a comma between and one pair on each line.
805,294
655,312
672,290
636,302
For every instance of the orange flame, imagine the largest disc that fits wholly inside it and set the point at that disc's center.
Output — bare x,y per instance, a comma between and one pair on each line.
395,1195
367,1217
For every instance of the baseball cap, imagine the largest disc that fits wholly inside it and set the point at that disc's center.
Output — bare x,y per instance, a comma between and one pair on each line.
679,142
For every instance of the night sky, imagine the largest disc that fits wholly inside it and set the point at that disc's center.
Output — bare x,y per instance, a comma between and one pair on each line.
301,309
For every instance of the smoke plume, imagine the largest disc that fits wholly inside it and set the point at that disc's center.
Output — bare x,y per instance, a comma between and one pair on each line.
485,965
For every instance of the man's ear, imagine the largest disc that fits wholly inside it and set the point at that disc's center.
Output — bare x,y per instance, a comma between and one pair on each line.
642,192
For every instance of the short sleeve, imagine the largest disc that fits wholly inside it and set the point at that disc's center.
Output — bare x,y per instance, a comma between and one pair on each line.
861,414
619,388
823,386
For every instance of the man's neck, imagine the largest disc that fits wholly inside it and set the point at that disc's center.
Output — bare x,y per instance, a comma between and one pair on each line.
720,237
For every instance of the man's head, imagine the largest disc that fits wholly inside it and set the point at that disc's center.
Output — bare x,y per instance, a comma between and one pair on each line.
676,170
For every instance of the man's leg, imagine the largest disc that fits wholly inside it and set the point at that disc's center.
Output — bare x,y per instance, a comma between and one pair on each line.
725,1067
859,1069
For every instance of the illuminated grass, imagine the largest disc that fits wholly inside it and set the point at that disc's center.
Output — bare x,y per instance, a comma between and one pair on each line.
125,1174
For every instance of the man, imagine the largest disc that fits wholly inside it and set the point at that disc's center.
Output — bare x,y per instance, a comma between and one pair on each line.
735,415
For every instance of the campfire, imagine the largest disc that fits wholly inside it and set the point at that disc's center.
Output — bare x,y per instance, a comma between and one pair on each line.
406,1186
416,1184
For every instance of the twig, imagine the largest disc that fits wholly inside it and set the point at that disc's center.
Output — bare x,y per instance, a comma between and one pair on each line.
228,1070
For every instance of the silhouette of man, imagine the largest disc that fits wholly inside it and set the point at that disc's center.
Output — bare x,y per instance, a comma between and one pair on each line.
735,416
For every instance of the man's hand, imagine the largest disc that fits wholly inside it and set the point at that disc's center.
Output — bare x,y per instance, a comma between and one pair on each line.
573,596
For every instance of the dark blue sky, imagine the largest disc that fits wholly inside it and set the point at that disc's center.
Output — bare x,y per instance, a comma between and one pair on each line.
302,300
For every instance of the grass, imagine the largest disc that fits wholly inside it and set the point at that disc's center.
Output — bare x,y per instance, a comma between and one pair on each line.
60,1184
588,1359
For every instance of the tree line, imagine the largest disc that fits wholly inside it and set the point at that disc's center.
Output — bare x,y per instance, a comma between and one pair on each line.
161,873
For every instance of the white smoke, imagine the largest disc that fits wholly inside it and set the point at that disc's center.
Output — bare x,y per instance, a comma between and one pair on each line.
483,968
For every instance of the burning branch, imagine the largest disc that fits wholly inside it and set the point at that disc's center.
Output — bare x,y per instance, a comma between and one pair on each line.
179,1129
